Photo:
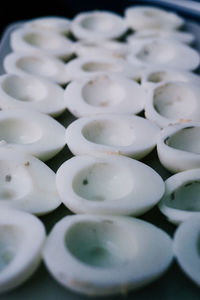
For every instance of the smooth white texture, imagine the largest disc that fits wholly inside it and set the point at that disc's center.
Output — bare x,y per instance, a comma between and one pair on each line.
148,17
181,199
156,76
31,132
173,102
38,64
106,48
26,183
164,53
149,34
32,40
108,185
104,93
178,147
127,135
186,246
104,255
31,92
84,66
22,237
53,24
98,25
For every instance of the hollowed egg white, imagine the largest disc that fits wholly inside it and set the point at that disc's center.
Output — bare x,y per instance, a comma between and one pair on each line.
31,92
181,199
164,53
22,237
186,246
104,93
31,132
149,34
98,25
178,147
51,23
156,76
173,102
123,134
26,183
104,255
108,185
86,66
148,17
32,40
38,64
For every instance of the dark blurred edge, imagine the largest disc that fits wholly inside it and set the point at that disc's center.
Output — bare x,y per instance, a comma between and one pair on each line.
12,11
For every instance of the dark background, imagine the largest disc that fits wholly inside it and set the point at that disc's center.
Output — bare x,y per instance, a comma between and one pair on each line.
16,10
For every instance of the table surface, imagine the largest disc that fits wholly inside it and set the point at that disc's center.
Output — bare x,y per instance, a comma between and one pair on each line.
174,284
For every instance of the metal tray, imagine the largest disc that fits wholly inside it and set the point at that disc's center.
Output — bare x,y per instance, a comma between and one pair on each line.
172,285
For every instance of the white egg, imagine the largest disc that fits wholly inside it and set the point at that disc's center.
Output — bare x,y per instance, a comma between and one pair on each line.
31,132
104,93
178,147
38,64
52,24
98,25
127,135
31,92
114,185
148,17
186,246
155,76
26,183
104,255
181,199
164,53
22,237
173,102
84,66
149,34
107,48
32,40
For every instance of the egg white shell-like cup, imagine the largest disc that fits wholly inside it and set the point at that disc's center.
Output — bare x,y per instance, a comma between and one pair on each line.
173,102
98,25
51,24
33,40
22,238
106,48
181,199
31,132
31,92
148,17
178,147
38,64
103,255
149,34
109,185
156,76
26,183
186,248
164,53
85,66
127,135
104,93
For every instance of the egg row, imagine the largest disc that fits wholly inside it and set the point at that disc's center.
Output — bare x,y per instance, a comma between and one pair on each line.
165,103
109,246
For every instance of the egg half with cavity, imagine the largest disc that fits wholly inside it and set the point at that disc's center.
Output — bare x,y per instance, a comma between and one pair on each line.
181,199
103,255
22,238
104,93
108,185
118,134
